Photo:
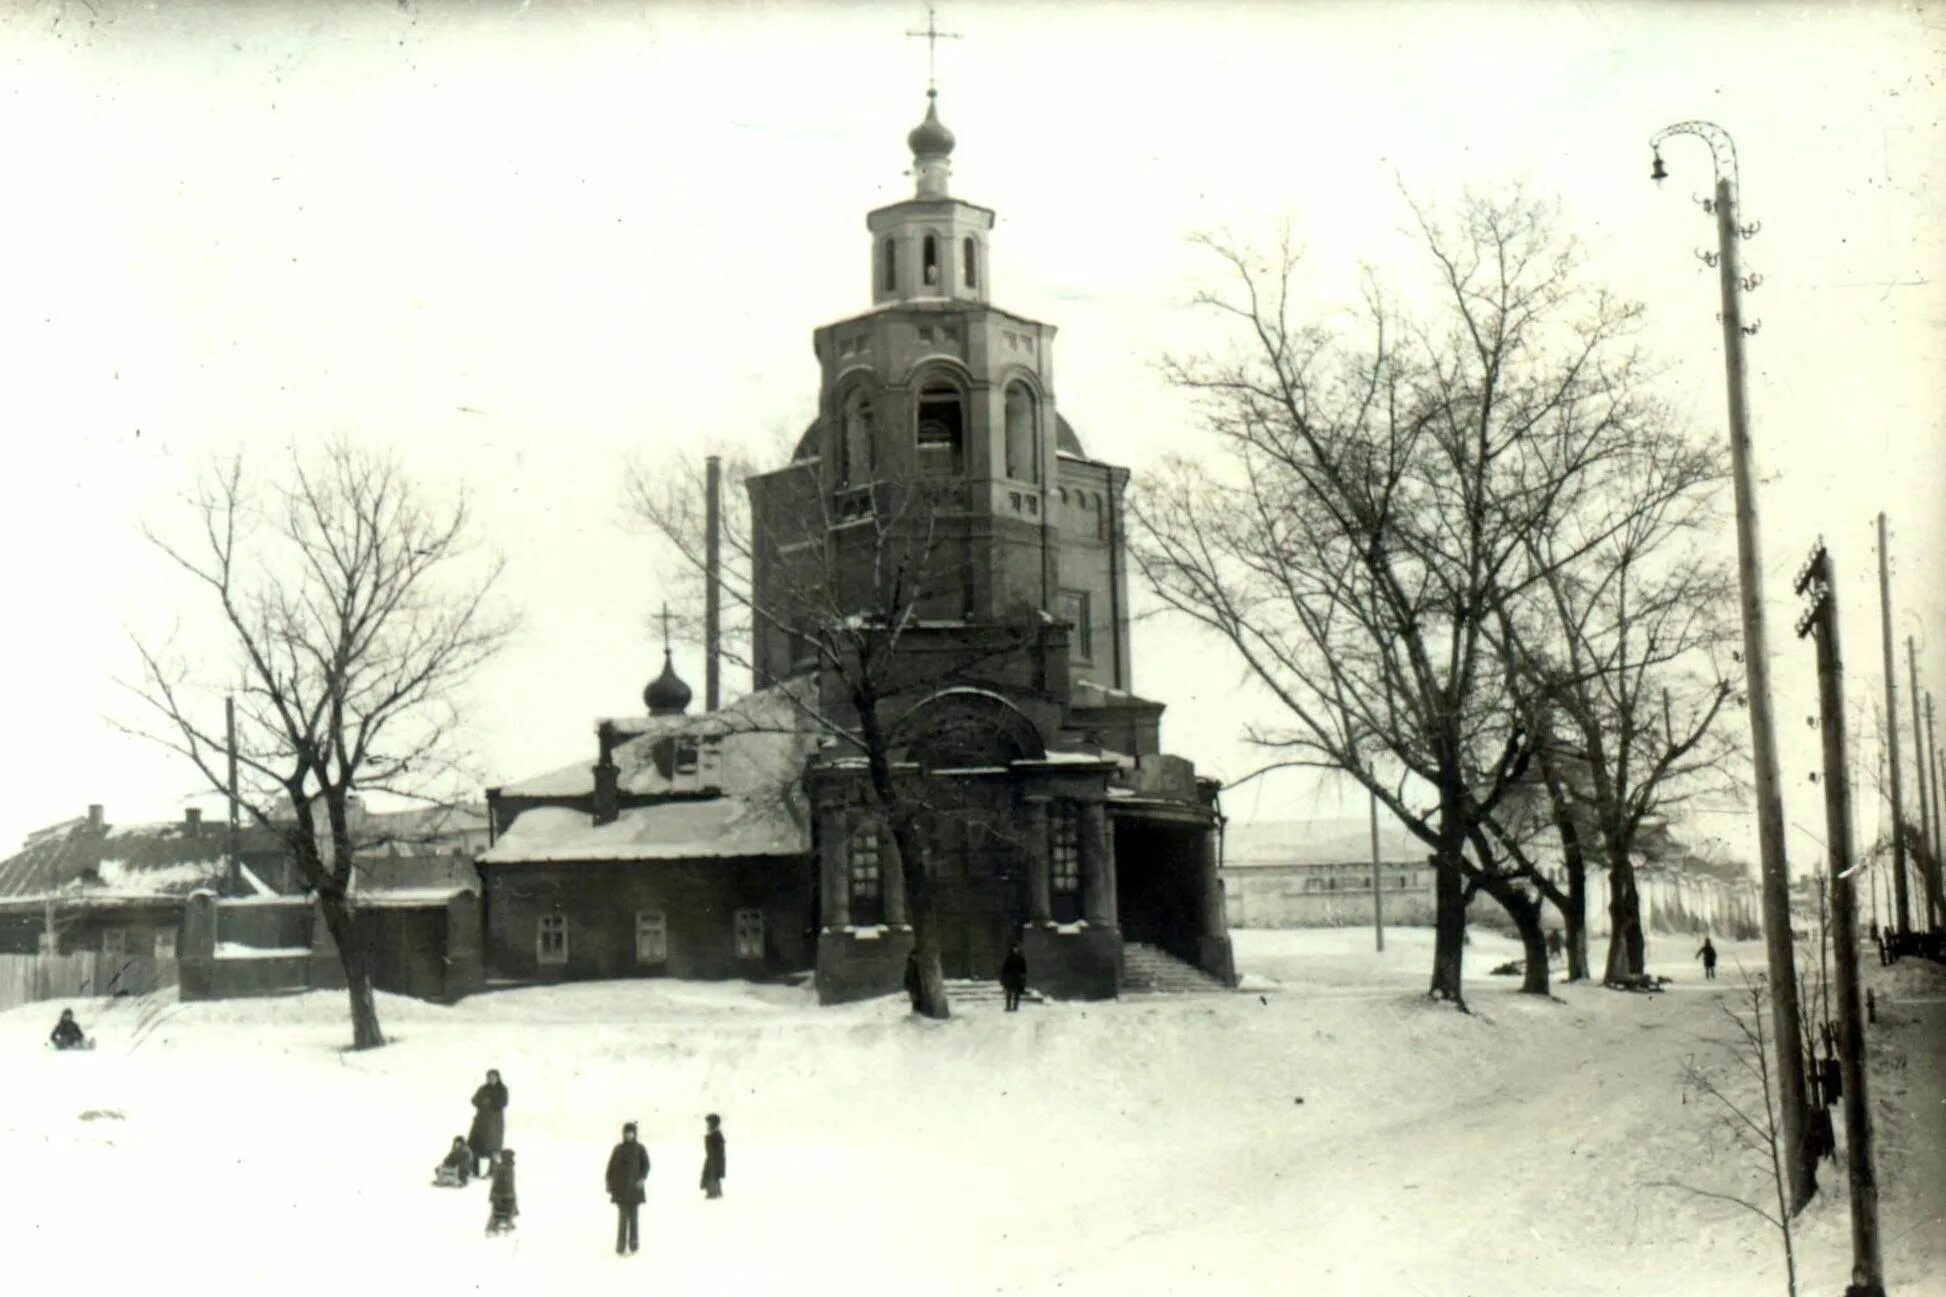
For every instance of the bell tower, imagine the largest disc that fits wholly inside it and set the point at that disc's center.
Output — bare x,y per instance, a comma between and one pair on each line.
932,247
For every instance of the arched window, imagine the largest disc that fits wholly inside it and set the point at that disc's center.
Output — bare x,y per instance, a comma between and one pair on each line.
971,259
888,266
1023,441
941,430
856,447
929,251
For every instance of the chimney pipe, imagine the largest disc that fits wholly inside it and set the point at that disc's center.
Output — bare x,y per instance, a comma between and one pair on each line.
713,587
95,821
192,821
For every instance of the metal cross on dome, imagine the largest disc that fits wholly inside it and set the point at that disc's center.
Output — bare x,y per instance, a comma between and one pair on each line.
933,36
665,626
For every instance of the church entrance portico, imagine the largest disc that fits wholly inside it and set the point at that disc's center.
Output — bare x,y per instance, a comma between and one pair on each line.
1167,887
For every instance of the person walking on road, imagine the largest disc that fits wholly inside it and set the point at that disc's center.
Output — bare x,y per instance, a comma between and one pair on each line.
1708,955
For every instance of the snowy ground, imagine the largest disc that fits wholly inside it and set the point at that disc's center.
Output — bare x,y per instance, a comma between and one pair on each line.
1335,1134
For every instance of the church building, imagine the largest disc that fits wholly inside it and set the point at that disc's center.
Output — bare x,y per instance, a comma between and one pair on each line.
746,840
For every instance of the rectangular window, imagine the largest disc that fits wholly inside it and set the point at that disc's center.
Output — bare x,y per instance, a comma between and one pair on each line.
1063,853
651,938
1072,607
114,941
551,941
1063,862
862,852
165,943
750,934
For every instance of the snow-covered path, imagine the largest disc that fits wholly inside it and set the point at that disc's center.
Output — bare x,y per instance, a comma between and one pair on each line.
1148,1146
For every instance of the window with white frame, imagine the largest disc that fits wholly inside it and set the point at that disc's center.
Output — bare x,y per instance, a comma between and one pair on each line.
1064,864
114,941
551,939
863,856
651,937
750,934
165,943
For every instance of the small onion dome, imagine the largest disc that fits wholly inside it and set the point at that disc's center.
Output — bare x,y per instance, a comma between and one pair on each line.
930,138
667,695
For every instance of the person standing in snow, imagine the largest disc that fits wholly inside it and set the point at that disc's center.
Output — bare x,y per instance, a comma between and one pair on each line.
489,1123
715,1164
67,1032
912,979
1013,976
628,1174
1708,955
500,1198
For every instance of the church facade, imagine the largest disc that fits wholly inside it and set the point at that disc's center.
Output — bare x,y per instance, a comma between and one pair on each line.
938,490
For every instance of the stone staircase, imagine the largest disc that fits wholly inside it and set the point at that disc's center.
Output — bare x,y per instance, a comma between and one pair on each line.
969,993
1150,970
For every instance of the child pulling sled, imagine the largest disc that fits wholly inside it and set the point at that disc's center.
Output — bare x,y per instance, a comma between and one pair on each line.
501,1195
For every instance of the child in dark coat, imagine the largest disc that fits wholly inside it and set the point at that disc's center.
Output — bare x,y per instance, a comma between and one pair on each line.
501,1195
67,1033
715,1163
627,1180
457,1169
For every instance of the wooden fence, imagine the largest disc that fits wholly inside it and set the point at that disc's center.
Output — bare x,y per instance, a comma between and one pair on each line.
25,979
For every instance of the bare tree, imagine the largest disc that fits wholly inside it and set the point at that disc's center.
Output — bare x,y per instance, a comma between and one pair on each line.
1363,510
1751,1124
1624,648
840,585
353,611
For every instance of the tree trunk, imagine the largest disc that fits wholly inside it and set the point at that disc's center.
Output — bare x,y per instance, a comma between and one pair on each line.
1625,947
1577,921
365,1033
931,998
1449,930
1525,911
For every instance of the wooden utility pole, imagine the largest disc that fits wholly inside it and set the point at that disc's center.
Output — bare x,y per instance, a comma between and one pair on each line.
230,843
713,585
1901,906
1378,899
1919,746
1935,895
1817,581
1780,957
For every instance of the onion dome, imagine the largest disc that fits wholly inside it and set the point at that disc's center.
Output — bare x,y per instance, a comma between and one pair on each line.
930,138
667,695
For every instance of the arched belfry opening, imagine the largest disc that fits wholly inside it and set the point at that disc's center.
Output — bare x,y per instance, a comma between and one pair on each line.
970,261
941,431
929,260
888,265
1023,433
857,438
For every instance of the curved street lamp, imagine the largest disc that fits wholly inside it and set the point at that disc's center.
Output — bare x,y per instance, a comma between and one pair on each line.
1756,656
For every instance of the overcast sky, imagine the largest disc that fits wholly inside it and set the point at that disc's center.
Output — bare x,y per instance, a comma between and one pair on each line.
524,240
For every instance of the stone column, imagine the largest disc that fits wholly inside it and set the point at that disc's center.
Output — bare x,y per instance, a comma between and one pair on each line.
1097,866
831,866
1033,828
1214,924
891,878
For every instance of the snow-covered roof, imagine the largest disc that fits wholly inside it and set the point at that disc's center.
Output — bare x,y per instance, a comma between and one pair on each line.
718,828
576,780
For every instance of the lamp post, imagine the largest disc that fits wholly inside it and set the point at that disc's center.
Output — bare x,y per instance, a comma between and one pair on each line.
1756,654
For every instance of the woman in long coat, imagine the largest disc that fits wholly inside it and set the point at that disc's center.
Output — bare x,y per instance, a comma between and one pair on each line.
489,1122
